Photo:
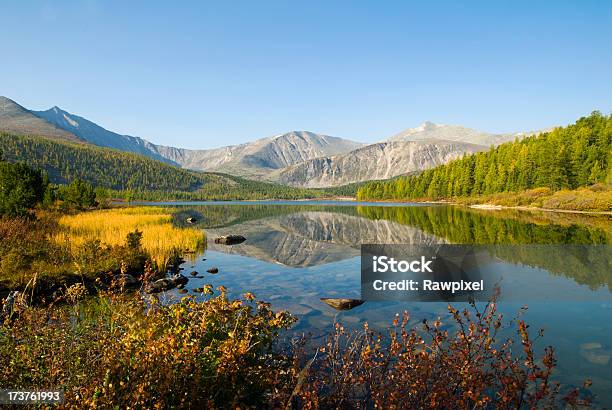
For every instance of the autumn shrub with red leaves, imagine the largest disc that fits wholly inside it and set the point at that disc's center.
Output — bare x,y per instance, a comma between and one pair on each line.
116,351
429,366
120,351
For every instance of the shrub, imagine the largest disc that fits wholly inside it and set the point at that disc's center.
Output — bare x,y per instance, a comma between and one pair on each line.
432,367
118,352
123,352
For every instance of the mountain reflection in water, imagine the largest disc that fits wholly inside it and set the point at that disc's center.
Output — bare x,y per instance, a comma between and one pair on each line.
296,254
311,235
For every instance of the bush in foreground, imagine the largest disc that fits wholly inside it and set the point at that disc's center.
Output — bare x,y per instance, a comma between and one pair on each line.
117,352
470,367
120,352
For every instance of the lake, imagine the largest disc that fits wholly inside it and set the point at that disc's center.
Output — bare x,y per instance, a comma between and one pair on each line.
299,252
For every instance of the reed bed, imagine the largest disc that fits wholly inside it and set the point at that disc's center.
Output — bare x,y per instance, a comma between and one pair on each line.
160,238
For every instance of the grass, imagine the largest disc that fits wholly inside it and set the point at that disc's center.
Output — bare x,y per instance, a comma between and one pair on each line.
595,198
160,239
53,250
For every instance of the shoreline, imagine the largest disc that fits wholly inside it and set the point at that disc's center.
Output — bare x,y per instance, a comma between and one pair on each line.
493,207
483,206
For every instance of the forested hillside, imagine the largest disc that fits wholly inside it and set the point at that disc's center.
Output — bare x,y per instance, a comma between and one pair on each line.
565,158
134,176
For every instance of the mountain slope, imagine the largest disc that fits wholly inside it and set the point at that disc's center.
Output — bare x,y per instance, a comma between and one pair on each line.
257,158
145,178
253,159
377,161
429,130
565,158
16,119
97,135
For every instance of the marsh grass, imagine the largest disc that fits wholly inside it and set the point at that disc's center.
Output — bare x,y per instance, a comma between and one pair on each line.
160,238
595,198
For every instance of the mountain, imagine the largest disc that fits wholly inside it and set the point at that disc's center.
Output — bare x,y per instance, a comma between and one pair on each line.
143,177
97,135
568,157
382,160
258,158
296,158
429,130
311,238
253,159
16,119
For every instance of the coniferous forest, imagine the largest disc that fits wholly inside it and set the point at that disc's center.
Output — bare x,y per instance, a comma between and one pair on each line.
132,176
565,158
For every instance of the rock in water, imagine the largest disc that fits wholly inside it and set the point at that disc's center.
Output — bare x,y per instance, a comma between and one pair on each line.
167,283
342,303
597,356
159,285
213,270
179,279
230,239
191,220
590,346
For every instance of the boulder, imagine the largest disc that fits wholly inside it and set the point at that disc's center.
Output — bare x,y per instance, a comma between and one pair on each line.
164,284
230,239
213,270
342,303
159,285
179,279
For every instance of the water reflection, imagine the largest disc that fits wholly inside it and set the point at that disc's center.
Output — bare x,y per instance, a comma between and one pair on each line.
295,255
305,236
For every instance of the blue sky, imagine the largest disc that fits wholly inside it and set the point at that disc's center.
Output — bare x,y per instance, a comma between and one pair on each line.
201,75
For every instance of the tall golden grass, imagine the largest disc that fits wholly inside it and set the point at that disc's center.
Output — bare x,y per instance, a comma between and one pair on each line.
110,226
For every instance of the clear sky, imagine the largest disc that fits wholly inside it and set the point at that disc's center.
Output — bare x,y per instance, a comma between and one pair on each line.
199,75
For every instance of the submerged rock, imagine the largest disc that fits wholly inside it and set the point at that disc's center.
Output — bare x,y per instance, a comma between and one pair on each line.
194,273
590,346
230,239
342,303
597,356
213,270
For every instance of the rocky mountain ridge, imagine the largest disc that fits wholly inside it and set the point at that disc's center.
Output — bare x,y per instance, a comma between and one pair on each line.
382,160
297,158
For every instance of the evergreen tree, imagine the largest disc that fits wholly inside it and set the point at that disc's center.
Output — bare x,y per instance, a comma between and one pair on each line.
569,157
21,189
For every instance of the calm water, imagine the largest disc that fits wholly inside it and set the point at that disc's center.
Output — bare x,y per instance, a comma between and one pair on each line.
298,252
